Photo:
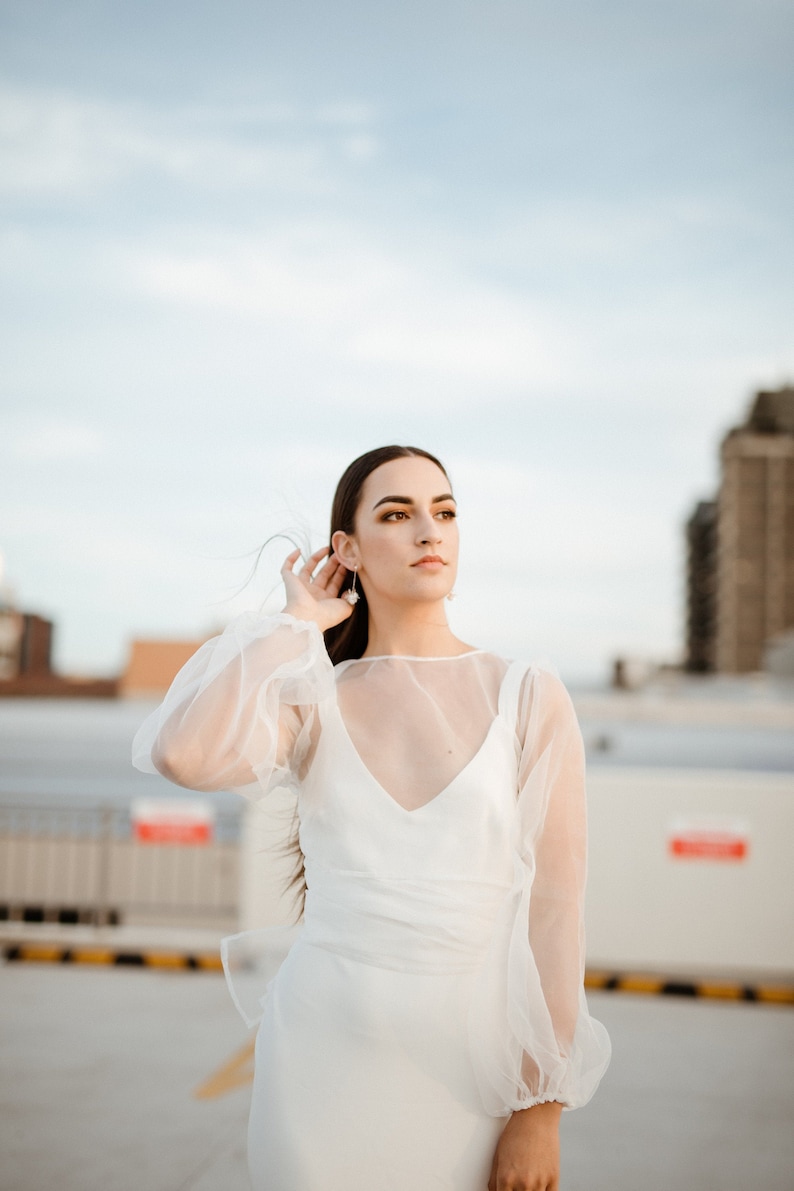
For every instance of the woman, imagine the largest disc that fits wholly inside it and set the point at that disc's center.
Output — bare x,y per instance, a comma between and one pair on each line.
435,987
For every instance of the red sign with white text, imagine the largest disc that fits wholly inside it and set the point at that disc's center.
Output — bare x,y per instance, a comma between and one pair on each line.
702,840
182,821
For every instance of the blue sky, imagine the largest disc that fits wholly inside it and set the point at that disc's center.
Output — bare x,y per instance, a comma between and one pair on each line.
244,242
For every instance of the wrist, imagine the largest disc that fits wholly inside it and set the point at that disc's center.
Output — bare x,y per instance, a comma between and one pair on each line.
544,1115
299,613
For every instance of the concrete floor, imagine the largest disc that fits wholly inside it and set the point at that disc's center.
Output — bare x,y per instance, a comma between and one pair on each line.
100,1069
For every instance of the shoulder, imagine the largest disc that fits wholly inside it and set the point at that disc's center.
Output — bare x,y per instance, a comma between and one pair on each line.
543,697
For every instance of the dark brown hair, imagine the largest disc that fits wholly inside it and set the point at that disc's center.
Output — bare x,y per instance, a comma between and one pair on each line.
349,639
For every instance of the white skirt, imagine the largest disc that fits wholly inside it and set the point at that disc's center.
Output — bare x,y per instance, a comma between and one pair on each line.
363,1080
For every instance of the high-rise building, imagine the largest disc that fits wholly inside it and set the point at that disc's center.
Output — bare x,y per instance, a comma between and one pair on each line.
701,621
25,644
746,555
755,557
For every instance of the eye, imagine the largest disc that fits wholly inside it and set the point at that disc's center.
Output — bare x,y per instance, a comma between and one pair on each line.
395,515
447,514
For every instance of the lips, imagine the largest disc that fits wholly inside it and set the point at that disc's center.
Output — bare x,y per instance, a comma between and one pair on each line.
429,560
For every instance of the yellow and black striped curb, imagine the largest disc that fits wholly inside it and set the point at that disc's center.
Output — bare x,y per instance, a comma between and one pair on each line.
53,954
721,990
775,994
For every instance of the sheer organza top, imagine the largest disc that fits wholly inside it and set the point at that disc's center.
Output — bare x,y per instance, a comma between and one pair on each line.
249,711
416,723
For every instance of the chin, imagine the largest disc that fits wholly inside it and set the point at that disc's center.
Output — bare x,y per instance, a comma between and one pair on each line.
431,592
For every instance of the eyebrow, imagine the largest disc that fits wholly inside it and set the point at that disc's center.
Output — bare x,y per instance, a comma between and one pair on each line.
406,500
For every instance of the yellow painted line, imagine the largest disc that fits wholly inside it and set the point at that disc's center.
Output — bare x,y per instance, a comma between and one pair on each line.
640,984
238,1072
174,960
96,956
165,959
44,955
724,992
780,996
212,963
596,979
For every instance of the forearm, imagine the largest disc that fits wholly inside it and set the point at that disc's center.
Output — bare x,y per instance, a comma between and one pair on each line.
527,1157
222,713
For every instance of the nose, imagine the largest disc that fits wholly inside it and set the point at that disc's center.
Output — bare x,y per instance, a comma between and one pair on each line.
428,531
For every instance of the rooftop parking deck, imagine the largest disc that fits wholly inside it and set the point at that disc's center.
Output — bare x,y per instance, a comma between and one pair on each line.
137,1080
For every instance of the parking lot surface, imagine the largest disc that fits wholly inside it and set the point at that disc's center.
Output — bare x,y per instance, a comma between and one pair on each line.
137,1080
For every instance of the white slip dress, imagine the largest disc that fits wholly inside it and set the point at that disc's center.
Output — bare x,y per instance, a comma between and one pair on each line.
435,984
363,1069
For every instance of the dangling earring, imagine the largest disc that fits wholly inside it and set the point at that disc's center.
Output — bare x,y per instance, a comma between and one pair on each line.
352,596
451,595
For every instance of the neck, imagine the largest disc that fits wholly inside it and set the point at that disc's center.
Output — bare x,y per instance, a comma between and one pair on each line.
416,630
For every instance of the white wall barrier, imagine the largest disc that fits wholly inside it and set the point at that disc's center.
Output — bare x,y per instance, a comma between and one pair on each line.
691,871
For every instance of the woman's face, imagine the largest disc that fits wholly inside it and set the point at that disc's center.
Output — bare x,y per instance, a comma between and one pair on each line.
405,541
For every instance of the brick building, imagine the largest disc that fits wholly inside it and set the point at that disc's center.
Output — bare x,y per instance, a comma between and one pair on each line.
153,665
740,584
25,644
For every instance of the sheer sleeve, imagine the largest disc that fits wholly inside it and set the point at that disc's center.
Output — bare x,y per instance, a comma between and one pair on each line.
546,1045
240,715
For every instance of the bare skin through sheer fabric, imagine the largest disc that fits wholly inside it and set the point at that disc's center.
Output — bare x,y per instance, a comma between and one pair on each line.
444,706
427,1022
415,727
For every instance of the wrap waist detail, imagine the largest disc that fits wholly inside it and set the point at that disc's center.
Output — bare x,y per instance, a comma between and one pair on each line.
406,924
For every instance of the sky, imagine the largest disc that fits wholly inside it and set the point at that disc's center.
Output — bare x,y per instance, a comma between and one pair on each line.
243,243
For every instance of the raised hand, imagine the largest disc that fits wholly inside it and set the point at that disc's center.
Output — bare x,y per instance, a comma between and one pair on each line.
316,597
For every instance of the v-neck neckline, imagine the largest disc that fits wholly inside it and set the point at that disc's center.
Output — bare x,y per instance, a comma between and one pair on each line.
379,785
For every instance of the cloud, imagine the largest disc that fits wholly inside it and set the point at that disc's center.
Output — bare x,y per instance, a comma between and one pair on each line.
359,298
58,143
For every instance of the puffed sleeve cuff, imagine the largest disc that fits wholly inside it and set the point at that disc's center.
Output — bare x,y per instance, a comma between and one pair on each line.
532,1037
518,1057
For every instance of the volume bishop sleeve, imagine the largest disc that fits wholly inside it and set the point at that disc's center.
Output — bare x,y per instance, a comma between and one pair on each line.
240,713
545,1046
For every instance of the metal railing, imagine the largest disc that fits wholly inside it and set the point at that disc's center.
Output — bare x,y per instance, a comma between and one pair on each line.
84,865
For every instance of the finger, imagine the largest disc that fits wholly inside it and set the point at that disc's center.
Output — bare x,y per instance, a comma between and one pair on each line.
334,585
311,562
290,560
327,574
341,574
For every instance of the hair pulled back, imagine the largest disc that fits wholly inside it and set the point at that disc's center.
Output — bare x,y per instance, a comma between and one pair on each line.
349,639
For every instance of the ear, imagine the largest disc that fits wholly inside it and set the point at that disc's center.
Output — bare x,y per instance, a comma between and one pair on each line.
345,549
